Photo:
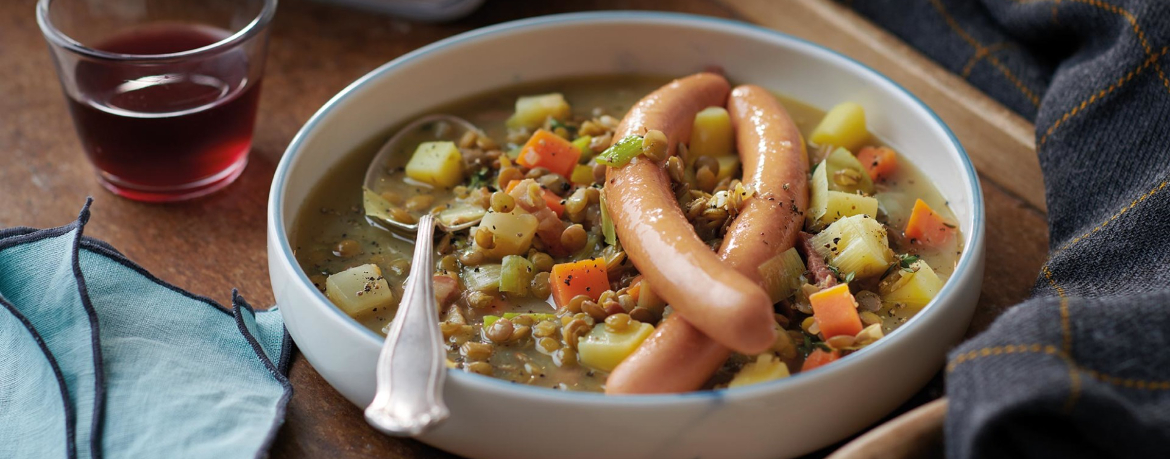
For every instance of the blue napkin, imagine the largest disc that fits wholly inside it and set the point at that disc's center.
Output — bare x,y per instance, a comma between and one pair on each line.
98,358
1083,368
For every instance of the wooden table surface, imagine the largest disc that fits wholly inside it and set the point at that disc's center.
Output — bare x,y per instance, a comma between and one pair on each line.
217,243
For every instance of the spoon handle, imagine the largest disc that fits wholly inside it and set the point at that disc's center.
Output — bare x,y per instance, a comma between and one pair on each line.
412,366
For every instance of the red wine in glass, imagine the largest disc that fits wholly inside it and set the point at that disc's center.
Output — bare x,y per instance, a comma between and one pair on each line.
169,130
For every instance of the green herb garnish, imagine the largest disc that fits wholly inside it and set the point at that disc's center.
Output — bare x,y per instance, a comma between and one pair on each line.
905,261
554,124
808,346
479,178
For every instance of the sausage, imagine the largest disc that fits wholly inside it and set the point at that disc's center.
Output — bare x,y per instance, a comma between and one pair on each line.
658,239
678,357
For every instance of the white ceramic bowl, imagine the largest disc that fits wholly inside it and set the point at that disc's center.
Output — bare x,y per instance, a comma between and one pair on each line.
495,419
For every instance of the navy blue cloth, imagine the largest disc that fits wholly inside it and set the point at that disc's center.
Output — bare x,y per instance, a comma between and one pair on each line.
1083,368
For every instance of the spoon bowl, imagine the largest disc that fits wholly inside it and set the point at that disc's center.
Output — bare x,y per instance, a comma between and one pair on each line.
448,127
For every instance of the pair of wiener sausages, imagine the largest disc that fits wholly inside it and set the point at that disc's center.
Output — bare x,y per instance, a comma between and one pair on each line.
717,309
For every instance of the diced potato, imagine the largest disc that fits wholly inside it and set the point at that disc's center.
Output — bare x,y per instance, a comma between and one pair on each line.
914,289
359,290
513,232
712,134
532,111
604,350
826,206
436,163
728,167
766,368
855,244
843,126
781,274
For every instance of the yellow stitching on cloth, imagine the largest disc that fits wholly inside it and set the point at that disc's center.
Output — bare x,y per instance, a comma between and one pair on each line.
1065,326
1129,383
980,49
1133,22
1098,96
1074,384
1114,217
1136,29
1001,350
980,54
1074,379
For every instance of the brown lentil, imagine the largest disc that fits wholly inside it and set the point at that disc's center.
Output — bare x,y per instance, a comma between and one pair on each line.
544,328
617,323
548,345
576,302
503,202
474,351
347,248
840,342
479,300
507,175
540,288
482,368
420,202
520,332
542,261
574,237
654,145
471,257
597,312
500,331
484,238
641,314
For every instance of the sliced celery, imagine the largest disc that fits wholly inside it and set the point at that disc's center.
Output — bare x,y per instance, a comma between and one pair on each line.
622,152
607,227
781,274
482,278
516,274
582,144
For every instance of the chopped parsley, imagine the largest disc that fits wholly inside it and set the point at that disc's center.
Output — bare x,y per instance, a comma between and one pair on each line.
808,346
480,178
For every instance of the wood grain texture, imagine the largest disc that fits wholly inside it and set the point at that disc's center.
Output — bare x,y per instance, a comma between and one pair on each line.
217,243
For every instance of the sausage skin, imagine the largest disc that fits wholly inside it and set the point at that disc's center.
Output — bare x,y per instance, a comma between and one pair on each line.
659,240
678,357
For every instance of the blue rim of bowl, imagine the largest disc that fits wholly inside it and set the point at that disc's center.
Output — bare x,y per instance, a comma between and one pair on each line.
975,241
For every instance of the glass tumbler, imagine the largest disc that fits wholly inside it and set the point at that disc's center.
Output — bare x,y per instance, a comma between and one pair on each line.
163,93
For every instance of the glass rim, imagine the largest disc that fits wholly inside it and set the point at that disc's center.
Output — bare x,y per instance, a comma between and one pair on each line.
59,38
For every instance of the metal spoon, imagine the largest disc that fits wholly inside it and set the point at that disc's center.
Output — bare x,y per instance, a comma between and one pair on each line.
412,366
375,206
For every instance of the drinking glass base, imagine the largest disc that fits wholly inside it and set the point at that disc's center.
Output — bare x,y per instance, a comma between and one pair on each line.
193,190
